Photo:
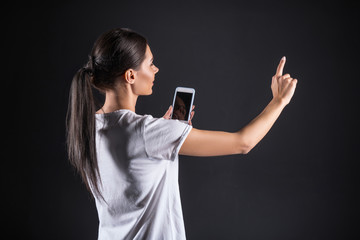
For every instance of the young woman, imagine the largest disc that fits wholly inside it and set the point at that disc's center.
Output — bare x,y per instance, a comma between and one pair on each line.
129,162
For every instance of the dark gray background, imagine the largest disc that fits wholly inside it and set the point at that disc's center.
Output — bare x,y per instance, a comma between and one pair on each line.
300,182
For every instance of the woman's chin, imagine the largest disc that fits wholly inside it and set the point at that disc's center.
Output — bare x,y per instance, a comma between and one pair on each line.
147,92
150,92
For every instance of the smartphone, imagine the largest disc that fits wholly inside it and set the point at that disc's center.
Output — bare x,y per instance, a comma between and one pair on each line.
182,103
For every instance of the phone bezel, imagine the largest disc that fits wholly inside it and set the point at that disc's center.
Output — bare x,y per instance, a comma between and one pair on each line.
185,90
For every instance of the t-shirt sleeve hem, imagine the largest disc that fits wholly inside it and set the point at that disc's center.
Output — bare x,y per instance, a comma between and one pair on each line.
183,137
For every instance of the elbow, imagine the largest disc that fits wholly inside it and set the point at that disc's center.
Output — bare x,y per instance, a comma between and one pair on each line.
244,148
243,144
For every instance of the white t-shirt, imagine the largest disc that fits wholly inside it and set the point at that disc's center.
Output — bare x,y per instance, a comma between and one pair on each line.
138,164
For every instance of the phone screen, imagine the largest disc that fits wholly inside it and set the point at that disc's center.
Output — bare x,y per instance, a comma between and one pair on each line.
182,106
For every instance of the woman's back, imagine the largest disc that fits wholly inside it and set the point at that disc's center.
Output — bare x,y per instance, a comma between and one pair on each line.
138,167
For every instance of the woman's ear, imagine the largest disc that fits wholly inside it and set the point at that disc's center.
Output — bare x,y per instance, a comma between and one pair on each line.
130,75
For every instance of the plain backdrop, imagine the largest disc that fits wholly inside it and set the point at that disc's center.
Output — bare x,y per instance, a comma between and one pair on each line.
299,182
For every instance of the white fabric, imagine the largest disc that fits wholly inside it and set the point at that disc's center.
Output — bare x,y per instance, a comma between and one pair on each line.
138,165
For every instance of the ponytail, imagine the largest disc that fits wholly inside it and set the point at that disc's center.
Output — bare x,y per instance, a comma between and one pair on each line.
113,53
81,142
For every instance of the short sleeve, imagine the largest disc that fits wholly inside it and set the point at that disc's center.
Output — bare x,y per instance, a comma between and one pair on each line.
164,137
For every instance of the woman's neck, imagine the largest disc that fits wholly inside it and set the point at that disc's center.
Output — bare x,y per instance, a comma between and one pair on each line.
121,97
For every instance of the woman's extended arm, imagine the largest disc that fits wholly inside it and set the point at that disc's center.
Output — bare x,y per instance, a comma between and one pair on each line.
215,143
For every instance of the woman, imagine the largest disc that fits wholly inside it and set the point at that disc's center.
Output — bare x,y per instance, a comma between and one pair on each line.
129,162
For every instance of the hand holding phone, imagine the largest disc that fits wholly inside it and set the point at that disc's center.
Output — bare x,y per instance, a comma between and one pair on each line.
182,103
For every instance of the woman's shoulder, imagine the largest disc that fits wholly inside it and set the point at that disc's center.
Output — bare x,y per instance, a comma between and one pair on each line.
127,117
122,117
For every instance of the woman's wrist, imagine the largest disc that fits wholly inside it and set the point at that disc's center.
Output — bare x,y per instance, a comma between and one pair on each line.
278,102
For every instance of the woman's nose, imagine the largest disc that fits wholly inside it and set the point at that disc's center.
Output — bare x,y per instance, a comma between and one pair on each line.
156,69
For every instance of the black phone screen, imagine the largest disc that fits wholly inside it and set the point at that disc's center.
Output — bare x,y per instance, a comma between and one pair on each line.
182,106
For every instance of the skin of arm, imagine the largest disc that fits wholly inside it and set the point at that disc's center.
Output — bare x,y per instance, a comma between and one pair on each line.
217,143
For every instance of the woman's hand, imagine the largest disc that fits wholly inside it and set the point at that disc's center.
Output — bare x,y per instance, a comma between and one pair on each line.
169,111
283,86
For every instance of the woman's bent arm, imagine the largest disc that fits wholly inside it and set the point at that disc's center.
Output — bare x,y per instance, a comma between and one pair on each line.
216,143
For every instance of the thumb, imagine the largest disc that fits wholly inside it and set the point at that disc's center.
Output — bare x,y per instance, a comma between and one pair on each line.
168,113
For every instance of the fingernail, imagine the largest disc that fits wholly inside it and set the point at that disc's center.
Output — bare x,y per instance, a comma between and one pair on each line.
283,58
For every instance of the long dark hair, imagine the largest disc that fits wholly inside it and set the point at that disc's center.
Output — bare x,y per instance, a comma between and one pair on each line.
113,53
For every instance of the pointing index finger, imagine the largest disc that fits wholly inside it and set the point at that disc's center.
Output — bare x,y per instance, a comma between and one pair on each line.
280,68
